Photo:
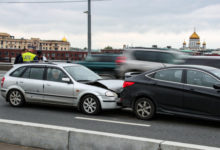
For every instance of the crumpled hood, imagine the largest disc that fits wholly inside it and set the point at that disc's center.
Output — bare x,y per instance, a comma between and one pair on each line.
113,85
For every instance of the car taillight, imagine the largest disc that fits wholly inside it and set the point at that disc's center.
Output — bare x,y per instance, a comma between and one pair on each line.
3,79
120,60
126,84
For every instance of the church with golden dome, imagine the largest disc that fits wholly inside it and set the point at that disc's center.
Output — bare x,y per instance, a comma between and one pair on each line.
194,43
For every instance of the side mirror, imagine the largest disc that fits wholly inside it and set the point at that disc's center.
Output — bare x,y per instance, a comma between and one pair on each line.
216,86
67,80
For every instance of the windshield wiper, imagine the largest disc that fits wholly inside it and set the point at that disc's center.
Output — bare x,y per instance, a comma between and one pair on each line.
83,80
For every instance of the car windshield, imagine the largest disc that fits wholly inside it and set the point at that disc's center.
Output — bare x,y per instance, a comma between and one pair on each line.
82,74
216,72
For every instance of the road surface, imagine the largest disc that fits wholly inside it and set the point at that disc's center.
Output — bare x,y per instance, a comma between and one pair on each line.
172,128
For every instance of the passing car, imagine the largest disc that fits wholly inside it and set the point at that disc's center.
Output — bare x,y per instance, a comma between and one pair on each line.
62,84
182,90
203,60
102,64
145,59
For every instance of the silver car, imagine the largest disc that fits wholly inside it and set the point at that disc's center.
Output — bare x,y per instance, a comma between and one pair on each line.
145,59
60,83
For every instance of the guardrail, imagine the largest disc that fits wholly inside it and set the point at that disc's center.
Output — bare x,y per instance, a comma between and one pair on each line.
63,138
5,66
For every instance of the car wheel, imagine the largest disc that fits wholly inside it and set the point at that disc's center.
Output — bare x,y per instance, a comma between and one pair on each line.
90,105
16,98
144,108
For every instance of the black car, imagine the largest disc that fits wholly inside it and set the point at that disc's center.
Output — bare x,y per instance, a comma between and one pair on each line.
183,90
211,61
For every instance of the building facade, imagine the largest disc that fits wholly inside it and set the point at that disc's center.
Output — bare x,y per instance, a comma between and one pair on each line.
6,55
9,42
194,43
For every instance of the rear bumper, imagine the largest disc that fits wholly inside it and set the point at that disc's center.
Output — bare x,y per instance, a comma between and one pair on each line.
126,98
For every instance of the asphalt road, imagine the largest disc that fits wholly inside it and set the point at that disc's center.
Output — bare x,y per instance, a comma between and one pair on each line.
163,127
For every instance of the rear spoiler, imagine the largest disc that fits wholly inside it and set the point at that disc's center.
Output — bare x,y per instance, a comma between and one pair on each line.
131,74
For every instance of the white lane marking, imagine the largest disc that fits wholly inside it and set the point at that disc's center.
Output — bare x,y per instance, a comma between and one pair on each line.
111,121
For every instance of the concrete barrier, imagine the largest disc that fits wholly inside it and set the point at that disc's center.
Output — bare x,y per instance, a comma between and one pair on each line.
6,66
34,135
92,140
63,138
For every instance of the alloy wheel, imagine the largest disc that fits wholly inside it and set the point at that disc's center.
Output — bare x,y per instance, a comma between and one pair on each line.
144,108
16,98
89,105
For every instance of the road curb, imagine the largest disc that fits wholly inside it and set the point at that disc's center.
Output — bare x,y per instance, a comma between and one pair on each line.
64,138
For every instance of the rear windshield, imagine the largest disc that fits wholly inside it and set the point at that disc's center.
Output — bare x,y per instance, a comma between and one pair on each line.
216,72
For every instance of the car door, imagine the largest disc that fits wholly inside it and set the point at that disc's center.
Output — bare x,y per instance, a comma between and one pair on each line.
56,90
169,88
199,95
31,81
145,60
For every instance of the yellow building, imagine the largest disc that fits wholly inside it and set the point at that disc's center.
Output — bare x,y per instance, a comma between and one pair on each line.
9,42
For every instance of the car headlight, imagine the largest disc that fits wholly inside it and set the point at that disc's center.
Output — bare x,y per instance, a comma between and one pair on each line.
110,94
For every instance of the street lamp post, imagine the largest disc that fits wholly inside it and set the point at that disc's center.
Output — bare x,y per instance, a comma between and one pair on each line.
89,27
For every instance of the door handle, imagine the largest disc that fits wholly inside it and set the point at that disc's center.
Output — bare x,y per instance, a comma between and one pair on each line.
48,85
21,82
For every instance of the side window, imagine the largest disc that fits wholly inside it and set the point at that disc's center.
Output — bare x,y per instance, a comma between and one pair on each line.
36,73
55,74
166,58
174,75
26,74
146,56
18,72
199,78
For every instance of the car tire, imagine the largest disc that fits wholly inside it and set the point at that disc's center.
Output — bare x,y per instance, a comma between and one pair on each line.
16,98
90,105
144,108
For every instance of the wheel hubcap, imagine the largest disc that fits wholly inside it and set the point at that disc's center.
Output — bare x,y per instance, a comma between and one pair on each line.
143,109
89,105
15,98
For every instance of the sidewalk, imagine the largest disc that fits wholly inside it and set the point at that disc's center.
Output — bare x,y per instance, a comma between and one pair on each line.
4,146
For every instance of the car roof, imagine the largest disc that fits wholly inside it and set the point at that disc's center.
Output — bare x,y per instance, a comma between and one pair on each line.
201,67
60,64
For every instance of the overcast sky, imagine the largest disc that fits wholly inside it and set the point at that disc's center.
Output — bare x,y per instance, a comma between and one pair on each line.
116,22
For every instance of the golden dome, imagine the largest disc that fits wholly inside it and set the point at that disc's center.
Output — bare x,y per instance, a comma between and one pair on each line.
194,36
184,43
204,43
64,39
